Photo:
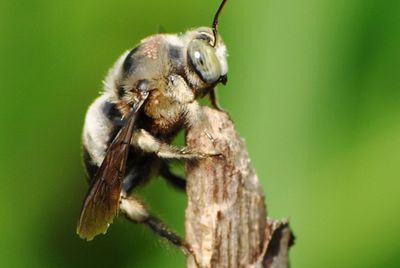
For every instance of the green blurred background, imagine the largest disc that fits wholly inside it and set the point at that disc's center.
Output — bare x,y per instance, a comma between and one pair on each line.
314,88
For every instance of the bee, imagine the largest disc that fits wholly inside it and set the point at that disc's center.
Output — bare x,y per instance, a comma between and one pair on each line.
150,94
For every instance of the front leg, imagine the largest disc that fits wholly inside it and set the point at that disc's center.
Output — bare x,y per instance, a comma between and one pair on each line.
150,144
214,100
178,90
195,117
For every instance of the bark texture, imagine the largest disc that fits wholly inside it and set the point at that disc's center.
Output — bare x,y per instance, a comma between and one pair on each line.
226,218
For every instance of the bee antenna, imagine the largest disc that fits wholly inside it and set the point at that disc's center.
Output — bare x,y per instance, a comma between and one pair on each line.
215,22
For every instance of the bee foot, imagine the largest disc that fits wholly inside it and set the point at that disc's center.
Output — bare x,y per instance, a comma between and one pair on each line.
188,251
209,136
209,154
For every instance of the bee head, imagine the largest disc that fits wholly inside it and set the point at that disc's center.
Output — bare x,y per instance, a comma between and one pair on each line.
207,57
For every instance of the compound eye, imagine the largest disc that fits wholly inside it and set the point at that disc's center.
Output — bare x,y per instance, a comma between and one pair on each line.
204,61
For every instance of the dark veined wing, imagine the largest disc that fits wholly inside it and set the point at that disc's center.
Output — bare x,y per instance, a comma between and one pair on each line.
101,203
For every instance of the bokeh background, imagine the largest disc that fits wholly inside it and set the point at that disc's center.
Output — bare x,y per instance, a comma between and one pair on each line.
314,88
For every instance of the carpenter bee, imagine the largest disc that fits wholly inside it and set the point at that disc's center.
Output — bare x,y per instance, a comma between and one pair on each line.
150,94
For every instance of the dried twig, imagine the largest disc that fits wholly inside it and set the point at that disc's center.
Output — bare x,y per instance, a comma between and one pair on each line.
226,219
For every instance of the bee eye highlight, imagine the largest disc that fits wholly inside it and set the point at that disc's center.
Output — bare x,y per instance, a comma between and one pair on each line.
204,61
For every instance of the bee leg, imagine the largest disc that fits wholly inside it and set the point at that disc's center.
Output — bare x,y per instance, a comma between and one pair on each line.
195,116
178,90
175,180
161,229
148,143
136,212
214,100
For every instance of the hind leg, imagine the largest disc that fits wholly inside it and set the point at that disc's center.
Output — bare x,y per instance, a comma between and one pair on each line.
135,211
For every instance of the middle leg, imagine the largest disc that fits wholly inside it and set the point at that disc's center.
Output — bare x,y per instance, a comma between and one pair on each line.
175,180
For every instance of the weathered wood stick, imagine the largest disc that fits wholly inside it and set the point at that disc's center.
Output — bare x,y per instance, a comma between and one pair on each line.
226,218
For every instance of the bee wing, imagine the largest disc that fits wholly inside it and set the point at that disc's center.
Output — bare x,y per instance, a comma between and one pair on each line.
101,203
